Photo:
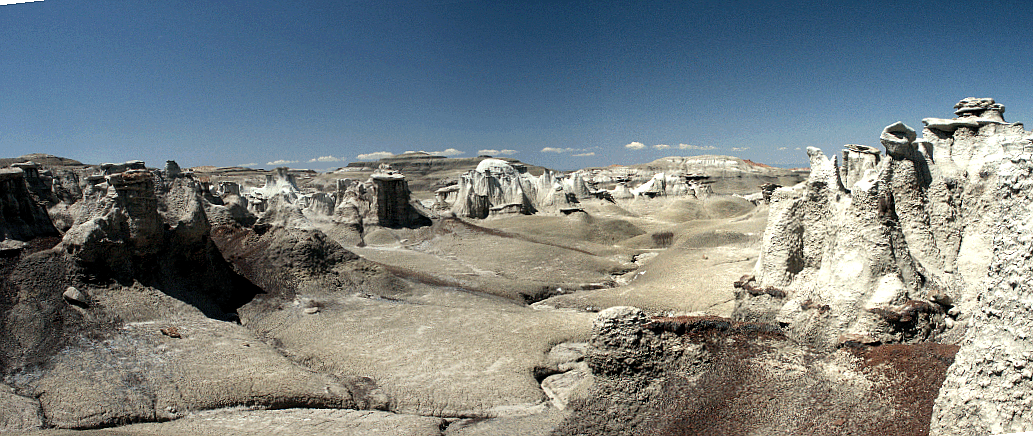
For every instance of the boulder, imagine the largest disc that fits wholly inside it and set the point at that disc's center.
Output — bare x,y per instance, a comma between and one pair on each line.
899,140
74,296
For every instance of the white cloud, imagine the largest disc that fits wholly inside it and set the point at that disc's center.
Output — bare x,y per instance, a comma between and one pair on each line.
782,148
446,152
376,155
494,152
740,148
694,147
248,164
571,151
661,146
325,159
798,149
281,162
635,146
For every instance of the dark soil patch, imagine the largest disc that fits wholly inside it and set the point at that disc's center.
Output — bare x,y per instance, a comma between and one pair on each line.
913,374
713,376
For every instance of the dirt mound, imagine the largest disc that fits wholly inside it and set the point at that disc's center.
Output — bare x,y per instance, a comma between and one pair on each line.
727,207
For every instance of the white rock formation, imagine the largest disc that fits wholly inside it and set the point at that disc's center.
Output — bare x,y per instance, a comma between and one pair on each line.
885,249
345,214
621,192
930,242
655,187
495,188
987,388
858,160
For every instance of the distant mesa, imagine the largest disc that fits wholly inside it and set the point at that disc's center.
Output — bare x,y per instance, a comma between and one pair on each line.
727,174
41,159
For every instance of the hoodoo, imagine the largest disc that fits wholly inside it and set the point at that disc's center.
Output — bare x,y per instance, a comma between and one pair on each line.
922,244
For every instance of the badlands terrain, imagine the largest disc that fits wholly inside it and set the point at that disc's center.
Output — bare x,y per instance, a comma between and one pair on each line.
882,291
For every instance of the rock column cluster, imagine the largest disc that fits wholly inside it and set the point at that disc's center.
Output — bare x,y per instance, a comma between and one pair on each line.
929,242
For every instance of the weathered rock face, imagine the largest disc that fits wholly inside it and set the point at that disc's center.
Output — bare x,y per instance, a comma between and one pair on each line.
55,183
141,226
495,186
425,172
226,206
18,413
897,253
986,391
857,160
394,207
708,375
22,216
119,220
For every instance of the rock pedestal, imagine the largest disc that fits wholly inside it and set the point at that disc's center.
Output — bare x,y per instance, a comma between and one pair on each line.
393,209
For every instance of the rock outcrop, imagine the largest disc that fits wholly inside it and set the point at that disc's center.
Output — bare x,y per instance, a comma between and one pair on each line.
133,316
426,172
663,184
857,161
394,207
886,249
495,187
986,391
925,245
22,215
18,413
709,375
350,209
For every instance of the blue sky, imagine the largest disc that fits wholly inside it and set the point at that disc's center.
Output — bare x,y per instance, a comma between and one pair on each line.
262,82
